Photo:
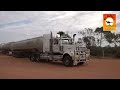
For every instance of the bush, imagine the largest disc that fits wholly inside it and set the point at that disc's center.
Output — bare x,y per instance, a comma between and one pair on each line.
95,51
108,51
117,54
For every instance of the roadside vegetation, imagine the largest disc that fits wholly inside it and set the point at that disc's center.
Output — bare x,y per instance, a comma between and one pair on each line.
95,40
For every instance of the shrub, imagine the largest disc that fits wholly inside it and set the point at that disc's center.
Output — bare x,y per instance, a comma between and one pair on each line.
108,51
117,54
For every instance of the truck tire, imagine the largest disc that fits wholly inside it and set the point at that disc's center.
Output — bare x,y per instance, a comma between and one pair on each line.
67,61
32,58
37,58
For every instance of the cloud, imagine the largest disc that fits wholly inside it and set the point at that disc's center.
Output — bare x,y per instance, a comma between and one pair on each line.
16,23
65,15
30,24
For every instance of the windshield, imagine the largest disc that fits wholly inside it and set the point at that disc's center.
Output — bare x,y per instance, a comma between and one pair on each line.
67,41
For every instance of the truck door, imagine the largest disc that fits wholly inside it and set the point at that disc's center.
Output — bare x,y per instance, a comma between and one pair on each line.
56,45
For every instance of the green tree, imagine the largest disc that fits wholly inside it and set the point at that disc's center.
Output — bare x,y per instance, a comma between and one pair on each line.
88,37
89,41
117,39
109,37
100,36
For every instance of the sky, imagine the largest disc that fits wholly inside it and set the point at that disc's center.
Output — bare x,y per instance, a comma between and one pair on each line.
20,25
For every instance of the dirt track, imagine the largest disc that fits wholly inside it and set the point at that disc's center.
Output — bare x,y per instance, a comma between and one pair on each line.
22,68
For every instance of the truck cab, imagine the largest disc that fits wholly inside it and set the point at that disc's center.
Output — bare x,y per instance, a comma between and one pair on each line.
71,52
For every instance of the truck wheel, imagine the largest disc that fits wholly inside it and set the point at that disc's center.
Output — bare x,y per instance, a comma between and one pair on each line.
37,58
32,58
67,61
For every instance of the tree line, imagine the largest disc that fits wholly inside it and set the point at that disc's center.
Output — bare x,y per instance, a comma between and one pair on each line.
94,40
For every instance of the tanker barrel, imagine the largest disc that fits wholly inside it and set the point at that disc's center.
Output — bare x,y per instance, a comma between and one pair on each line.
28,44
7,46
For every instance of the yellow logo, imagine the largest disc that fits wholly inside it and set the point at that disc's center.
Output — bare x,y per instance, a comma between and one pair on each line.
109,22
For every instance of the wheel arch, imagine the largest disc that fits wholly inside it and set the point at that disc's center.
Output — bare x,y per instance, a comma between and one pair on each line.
66,54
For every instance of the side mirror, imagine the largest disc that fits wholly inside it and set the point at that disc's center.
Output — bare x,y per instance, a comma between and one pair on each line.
74,37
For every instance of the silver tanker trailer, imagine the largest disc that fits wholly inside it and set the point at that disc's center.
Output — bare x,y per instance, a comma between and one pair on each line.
50,48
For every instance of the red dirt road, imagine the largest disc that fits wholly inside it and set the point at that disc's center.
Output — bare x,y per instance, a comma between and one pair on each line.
22,68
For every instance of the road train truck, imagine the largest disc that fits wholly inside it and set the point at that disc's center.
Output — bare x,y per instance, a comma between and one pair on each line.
50,48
